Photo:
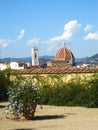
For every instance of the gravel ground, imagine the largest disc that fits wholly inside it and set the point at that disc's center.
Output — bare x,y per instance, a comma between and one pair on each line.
54,118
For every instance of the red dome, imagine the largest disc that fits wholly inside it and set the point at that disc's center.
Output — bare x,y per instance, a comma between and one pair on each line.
63,54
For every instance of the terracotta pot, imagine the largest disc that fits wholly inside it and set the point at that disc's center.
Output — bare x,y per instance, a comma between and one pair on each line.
29,112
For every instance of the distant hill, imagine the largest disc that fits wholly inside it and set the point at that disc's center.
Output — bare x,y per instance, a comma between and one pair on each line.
79,60
26,59
89,60
43,59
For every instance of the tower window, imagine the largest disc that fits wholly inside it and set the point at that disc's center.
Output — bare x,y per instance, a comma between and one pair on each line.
35,55
67,61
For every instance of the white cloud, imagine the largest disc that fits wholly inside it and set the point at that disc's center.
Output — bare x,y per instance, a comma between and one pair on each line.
88,27
91,36
33,41
5,42
49,49
21,35
69,30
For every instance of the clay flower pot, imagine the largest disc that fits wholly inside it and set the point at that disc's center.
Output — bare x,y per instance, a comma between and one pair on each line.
28,113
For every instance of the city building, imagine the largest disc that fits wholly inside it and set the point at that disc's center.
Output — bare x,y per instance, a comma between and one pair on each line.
35,56
63,57
16,65
4,66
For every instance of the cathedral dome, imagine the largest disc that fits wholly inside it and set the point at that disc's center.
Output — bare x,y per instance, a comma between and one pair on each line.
64,54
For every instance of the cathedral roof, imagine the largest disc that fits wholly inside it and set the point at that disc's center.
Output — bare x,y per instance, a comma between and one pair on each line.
63,54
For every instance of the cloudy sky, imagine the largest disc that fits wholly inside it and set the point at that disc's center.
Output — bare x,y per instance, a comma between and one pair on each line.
46,24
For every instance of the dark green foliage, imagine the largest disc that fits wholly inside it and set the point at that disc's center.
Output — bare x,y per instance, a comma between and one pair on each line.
75,92
67,94
4,83
93,92
72,93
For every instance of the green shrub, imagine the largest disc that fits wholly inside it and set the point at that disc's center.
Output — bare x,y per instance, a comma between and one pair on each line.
23,96
72,93
4,83
93,92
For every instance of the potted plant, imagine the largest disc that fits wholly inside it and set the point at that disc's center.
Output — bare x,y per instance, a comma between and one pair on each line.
23,97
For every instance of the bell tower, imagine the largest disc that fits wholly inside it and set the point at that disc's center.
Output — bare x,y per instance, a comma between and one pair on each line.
35,56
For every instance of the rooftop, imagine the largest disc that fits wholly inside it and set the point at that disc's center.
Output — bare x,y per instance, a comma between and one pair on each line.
59,70
63,54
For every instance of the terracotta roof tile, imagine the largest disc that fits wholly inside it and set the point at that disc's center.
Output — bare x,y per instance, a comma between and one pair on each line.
64,53
59,70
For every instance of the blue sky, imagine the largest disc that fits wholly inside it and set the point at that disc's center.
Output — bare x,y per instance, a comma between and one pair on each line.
46,24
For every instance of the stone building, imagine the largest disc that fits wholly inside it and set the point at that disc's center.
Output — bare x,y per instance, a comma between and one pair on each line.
63,57
35,56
